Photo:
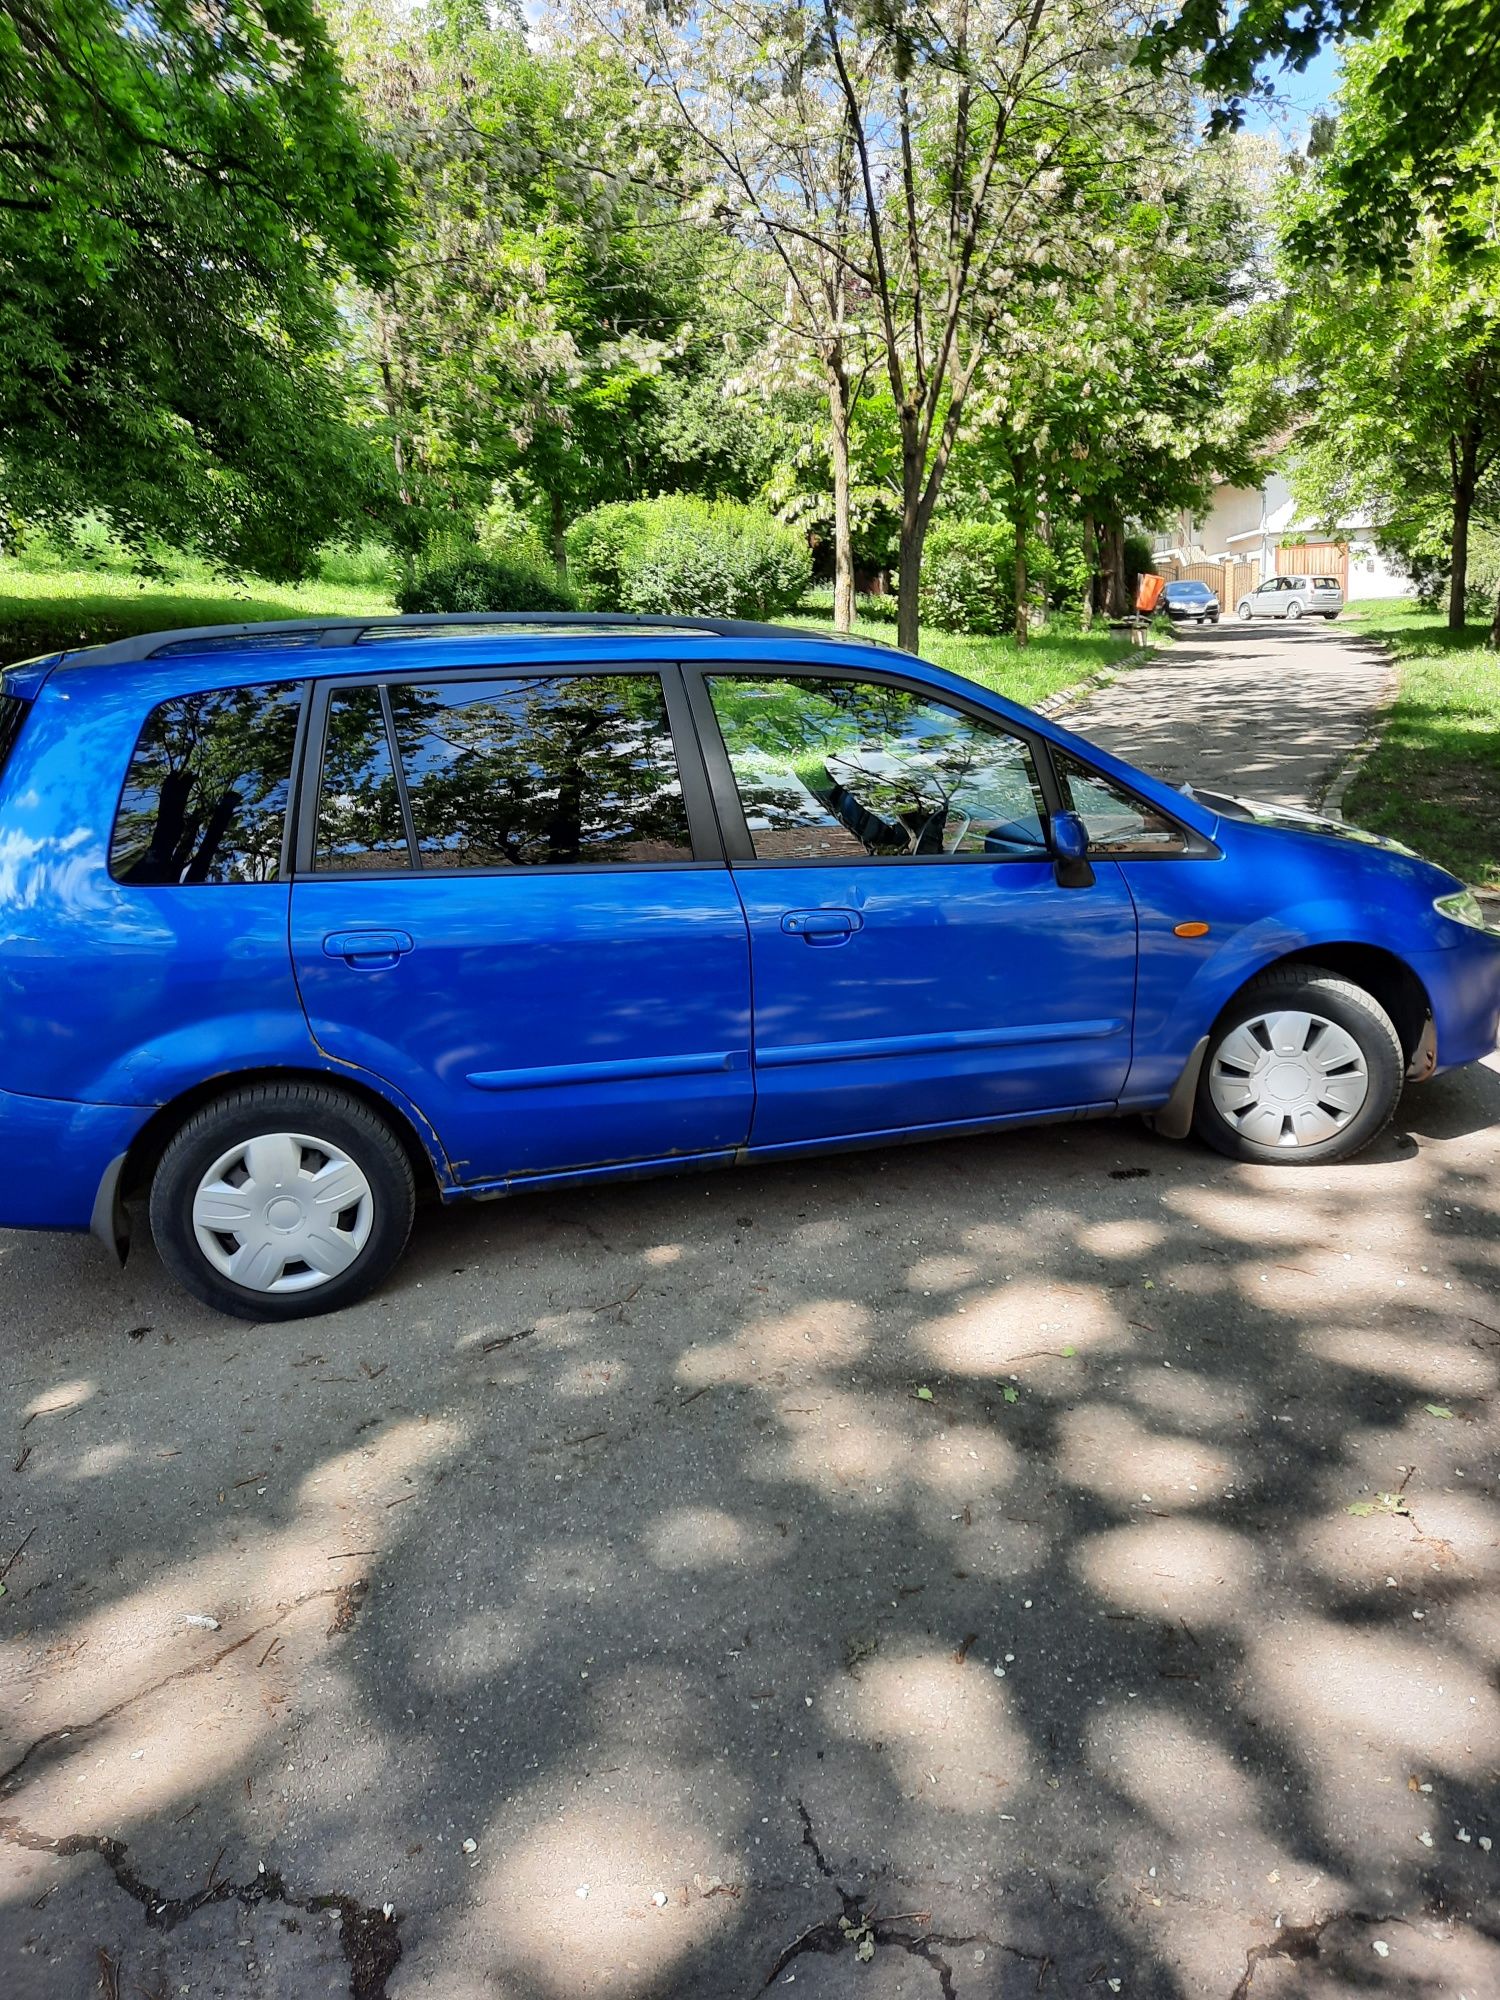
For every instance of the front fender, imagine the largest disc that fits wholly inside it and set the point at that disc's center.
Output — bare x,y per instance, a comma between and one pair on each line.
1184,983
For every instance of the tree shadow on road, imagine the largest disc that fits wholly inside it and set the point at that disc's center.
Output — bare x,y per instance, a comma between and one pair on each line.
997,1567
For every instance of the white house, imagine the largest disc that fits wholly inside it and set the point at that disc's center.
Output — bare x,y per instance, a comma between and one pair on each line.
1247,523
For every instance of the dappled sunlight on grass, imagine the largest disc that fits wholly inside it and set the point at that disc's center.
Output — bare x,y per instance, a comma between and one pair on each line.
43,609
1056,658
1434,780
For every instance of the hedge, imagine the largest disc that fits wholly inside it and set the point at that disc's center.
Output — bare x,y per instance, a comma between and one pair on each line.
681,556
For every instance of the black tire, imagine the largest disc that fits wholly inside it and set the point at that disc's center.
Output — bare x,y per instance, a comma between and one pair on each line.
1293,611
258,1109
1309,989
1246,609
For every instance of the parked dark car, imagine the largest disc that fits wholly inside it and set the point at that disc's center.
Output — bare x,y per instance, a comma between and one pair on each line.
1190,599
297,921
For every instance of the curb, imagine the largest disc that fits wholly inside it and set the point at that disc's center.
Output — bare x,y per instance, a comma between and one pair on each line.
1069,697
1330,798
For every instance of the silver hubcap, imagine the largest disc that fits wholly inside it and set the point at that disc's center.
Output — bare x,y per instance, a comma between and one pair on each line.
1288,1079
283,1212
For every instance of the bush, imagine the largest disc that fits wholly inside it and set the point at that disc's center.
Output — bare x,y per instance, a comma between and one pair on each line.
868,610
358,566
969,577
679,556
471,579
503,530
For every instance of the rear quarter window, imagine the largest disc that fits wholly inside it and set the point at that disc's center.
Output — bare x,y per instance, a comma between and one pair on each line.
13,712
205,798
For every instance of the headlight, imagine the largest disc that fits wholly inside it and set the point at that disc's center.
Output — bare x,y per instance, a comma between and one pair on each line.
1464,907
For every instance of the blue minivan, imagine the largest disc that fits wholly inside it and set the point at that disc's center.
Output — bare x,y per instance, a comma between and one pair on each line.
298,921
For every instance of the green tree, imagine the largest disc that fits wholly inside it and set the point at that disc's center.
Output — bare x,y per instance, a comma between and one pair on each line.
544,322
1403,369
943,188
1434,89
181,188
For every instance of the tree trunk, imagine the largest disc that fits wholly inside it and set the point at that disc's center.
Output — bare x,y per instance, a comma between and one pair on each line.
1495,626
559,534
391,397
1023,631
1091,557
1112,553
914,518
843,541
1465,480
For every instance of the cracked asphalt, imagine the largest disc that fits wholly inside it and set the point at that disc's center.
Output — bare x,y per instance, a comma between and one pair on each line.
1066,1563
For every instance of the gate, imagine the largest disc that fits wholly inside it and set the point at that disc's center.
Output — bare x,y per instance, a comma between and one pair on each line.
1314,559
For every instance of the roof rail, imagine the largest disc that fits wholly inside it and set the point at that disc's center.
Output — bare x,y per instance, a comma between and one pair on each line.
347,631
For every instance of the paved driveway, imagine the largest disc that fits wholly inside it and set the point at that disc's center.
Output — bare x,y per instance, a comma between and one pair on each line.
1268,709
1065,1564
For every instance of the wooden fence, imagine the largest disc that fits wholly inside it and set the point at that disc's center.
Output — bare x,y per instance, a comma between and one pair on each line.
1314,559
1228,580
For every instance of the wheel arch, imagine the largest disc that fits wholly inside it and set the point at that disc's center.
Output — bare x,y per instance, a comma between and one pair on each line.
1385,977
145,1151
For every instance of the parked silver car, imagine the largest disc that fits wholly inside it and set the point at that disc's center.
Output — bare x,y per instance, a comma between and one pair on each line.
1294,597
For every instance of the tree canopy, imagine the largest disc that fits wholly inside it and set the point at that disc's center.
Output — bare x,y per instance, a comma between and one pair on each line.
181,189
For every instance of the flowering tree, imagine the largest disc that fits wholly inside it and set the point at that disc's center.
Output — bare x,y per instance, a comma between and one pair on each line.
911,170
537,310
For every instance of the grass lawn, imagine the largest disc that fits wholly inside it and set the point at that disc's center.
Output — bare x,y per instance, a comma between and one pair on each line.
1054,660
44,609
1434,780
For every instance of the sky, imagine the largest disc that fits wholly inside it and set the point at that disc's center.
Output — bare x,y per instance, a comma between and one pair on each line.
1298,96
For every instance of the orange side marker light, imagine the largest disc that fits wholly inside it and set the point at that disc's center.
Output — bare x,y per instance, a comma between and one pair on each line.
1190,930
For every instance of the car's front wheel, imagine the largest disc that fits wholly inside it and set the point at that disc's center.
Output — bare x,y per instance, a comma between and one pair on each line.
1301,1069
1294,609
281,1200
1246,609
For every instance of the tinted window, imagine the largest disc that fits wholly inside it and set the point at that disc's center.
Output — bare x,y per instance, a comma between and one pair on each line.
205,797
1116,821
548,769
12,714
359,809
833,770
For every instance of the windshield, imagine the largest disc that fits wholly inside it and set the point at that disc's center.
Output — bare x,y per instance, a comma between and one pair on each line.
1187,590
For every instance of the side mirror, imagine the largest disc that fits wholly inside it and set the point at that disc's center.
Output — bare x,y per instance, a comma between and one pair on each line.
1069,840
1070,837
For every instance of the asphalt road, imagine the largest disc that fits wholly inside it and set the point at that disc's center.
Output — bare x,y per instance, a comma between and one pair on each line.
1062,1564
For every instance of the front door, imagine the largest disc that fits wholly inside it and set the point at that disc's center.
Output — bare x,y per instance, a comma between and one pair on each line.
915,962
499,912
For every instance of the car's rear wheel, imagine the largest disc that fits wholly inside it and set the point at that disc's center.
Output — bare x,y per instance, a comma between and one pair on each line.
1301,1069
282,1200
1246,609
